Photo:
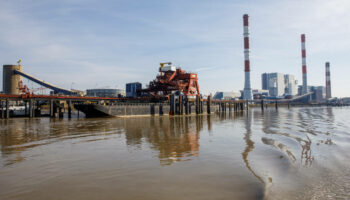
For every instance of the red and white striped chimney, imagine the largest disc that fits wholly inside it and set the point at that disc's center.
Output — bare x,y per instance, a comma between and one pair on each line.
303,60
328,82
247,92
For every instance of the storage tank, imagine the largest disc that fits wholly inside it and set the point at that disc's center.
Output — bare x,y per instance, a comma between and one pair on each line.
10,80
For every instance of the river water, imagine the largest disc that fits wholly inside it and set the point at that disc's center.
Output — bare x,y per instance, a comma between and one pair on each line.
297,153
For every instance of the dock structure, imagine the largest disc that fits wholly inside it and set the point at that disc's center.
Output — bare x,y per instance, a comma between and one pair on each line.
177,105
57,106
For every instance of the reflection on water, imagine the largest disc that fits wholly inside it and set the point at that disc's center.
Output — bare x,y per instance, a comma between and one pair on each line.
244,155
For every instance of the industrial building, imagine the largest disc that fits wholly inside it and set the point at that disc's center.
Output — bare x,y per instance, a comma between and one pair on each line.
274,83
279,84
10,80
131,89
260,94
226,95
290,85
105,92
318,93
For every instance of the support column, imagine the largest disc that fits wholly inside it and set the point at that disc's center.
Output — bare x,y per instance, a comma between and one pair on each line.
172,104
52,115
69,108
181,108
186,106
152,109
2,109
197,105
230,107
25,108
60,111
262,105
161,109
30,108
208,104
38,109
276,105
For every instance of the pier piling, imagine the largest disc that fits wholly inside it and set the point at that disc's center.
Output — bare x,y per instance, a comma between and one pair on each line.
2,109
7,109
69,103
161,109
60,111
51,109
197,104
208,104
276,105
172,104
30,108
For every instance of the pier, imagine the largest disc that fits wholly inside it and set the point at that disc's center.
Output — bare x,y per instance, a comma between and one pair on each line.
59,105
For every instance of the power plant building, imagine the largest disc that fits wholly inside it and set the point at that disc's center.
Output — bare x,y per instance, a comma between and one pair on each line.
279,84
131,89
105,92
274,83
226,95
291,85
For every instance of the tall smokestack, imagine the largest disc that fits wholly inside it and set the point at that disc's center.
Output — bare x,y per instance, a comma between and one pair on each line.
328,82
303,60
247,92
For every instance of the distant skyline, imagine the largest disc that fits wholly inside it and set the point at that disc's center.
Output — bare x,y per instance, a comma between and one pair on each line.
88,43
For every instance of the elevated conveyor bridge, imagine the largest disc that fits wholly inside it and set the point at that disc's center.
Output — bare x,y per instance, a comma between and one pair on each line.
56,89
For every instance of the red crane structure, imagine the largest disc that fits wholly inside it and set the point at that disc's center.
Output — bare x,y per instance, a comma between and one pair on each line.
173,79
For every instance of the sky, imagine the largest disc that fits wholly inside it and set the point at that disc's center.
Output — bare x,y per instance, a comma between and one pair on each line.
83,44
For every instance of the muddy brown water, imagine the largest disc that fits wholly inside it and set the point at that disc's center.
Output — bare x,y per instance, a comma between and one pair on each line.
298,153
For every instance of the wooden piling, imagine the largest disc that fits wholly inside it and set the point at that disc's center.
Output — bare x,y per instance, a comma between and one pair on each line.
172,104
262,105
201,106
186,106
7,111
51,109
69,108
276,105
197,104
30,108
152,109
181,104
60,111
161,109
37,109
2,109
208,104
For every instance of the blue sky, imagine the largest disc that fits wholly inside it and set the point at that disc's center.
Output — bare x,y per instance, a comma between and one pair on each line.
89,43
